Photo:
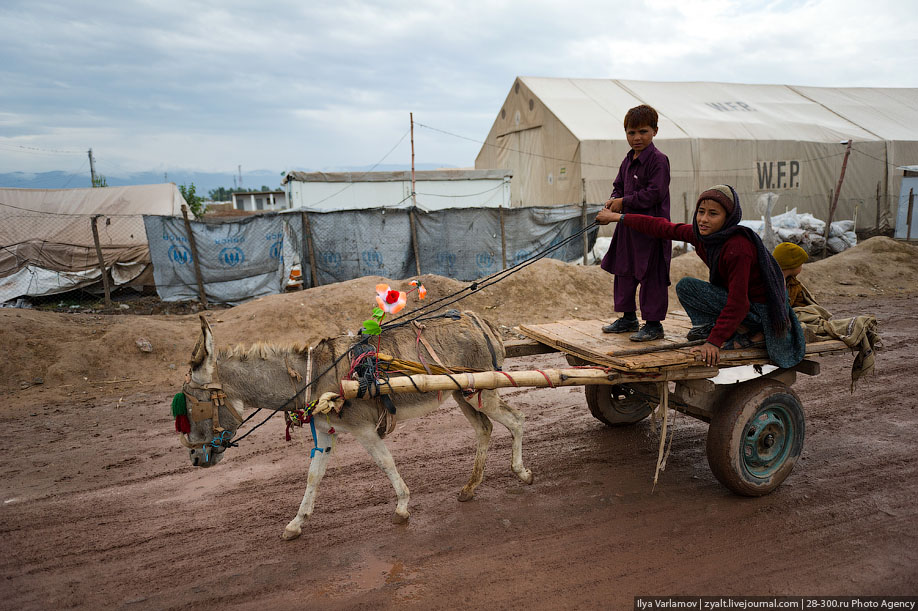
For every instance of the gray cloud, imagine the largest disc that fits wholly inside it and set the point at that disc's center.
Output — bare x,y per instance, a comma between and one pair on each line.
282,85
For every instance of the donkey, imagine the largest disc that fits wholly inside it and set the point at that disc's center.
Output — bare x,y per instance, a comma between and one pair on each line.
265,376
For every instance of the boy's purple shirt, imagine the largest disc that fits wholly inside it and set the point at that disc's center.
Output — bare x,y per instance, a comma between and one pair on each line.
643,185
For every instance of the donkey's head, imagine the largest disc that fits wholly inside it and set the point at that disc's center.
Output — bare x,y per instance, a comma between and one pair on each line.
213,421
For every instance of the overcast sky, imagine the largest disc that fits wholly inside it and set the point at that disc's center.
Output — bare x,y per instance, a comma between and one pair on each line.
208,86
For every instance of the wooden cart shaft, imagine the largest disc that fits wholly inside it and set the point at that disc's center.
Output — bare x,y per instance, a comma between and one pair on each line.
539,378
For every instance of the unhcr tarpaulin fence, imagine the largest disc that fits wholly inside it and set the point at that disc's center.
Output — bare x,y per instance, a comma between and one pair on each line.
253,257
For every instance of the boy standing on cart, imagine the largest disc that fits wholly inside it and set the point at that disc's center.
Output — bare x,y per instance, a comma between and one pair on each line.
642,186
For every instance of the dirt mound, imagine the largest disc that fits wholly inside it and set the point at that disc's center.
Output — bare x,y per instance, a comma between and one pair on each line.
62,354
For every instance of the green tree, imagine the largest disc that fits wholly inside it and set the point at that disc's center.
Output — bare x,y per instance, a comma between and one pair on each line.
99,181
195,203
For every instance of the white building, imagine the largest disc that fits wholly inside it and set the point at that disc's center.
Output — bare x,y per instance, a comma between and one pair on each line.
435,189
253,201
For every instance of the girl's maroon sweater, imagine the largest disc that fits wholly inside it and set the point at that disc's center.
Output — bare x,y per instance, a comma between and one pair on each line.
738,270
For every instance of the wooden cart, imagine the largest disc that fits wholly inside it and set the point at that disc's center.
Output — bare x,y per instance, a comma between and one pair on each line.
757,425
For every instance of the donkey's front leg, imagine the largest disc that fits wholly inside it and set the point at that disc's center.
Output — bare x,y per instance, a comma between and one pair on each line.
377,449
317,465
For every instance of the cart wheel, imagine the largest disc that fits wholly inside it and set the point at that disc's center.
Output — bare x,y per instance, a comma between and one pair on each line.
621,404
756,436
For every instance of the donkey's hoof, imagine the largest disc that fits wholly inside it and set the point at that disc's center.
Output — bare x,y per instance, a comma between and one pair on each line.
466,495
526,476
398,518
292,532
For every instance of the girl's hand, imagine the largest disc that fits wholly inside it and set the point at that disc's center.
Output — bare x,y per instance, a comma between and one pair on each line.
709,353
606,216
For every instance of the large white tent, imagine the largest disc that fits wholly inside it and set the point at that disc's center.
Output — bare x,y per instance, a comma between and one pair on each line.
46,241
564,140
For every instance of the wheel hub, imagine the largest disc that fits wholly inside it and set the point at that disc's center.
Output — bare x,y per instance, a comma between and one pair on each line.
767,441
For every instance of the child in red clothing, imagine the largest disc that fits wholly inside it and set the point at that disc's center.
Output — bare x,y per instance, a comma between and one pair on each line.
745,300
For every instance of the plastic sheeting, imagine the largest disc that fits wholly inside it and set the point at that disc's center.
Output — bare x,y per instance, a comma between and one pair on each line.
253,257
238,260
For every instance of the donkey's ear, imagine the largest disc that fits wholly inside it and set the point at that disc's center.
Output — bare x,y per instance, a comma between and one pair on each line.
204,347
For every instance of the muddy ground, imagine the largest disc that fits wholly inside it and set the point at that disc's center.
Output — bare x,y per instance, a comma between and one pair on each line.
102,509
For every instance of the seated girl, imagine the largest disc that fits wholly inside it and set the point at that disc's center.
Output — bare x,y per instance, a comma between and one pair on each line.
745,301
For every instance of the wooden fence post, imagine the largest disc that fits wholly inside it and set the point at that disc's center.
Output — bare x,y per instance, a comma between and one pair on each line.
503,237
878,209
414,241
194,258
309,249
95,238
911,204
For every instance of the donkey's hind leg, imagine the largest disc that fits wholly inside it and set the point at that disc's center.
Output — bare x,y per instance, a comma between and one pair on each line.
376,448
317,465
499,410
482,426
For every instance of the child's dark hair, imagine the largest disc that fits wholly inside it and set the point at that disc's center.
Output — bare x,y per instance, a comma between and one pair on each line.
640,116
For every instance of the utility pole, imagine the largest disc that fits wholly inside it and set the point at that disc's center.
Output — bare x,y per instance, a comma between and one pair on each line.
92,168
240,175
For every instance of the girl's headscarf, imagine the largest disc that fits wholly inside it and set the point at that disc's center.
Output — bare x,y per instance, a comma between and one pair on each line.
775,289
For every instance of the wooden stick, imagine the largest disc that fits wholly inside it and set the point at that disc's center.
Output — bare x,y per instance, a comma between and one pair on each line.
647,350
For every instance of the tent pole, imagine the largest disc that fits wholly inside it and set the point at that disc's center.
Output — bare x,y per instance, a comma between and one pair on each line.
95,238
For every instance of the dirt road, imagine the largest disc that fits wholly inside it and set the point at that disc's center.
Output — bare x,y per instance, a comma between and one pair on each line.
101,508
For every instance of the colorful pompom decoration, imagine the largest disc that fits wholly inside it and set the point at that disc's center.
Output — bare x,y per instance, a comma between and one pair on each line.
180,413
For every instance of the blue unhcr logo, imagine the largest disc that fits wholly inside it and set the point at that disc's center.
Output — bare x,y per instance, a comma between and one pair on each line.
231,256
371,258
520,256
277,250
332,259
446,261
179,254
485,260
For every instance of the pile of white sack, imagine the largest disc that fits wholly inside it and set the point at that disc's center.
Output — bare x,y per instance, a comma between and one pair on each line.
806,231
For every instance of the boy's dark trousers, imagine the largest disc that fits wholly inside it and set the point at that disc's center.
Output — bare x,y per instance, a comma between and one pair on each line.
654,295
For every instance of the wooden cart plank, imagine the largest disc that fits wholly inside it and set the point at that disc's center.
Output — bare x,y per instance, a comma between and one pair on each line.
584,339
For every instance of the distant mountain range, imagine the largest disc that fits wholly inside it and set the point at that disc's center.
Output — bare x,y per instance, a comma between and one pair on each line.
204,182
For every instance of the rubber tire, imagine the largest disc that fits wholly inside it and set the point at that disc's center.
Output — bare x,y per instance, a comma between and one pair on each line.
606,407
733,432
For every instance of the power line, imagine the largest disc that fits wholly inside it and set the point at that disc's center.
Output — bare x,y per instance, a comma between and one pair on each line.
34,149
351,184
